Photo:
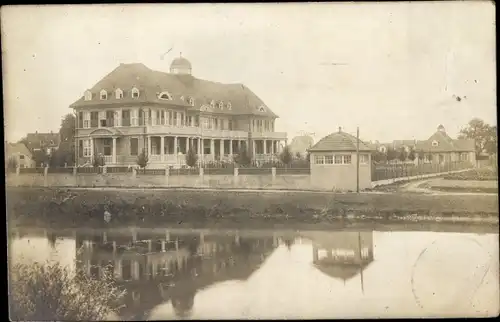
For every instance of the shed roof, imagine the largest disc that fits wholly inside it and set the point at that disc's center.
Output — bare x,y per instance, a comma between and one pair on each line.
17,148
339,141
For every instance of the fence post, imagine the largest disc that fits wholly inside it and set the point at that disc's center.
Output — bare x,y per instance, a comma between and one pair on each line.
75,171
45,174
167,174
104,169
235,177
18,170
134,173
273,174
201,172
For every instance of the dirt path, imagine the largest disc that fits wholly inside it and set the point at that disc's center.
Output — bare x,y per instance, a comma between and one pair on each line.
420,187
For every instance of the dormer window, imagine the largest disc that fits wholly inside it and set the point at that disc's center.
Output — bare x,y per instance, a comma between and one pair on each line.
88,95
435,143
118,94
212,104
103,95
182,98
191,101
221,105
229,105
262,109
165,96
135,93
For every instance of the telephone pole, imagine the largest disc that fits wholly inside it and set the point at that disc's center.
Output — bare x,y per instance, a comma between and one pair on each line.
357,160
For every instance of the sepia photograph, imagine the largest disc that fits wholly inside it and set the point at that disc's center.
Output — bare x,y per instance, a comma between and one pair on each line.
329,160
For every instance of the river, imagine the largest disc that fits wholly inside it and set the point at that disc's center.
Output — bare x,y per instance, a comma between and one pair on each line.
173,273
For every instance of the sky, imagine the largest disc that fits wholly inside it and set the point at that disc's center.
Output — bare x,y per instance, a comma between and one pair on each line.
392,69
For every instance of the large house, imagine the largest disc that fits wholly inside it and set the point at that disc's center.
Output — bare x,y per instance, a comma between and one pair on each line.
135,108
438,148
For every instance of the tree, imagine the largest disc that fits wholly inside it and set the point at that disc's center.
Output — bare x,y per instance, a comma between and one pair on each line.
391,154
298,155
308,157
411,155
243,158
286,155
11,163
403,155
379,156
485,135
191,158
66,151
420,155
142,159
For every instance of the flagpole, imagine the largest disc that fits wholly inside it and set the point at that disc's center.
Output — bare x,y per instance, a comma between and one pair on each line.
357,160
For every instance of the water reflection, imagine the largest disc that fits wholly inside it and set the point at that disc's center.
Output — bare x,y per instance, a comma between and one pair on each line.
172,274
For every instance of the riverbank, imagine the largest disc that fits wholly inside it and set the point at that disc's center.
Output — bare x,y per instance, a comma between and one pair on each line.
85,208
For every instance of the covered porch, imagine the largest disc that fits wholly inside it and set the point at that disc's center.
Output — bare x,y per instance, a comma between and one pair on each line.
106,142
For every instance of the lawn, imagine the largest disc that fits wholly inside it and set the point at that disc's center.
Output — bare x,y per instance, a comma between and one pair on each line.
481,174
79,208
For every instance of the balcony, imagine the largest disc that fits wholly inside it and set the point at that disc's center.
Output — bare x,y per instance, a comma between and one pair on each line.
196,132
269,135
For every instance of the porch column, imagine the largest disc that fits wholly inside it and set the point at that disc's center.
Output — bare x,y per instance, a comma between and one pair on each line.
162,147
254,148
239,146
265,146
202,150
198,150
231,147
175,145
221,148
272,146
114,151
91,149
187,145
149,146
212,148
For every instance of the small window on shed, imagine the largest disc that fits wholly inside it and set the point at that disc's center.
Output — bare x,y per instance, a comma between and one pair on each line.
328,159
347,159
338,159
319,159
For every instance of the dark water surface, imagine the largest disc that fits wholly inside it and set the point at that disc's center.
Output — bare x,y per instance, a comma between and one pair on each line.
210,274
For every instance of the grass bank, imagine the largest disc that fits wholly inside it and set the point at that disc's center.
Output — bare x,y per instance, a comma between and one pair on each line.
85,208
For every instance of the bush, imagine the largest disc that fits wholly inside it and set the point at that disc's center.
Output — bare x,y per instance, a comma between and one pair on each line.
286,155
98,161
142,159
242,159
11,163
52,292
191,158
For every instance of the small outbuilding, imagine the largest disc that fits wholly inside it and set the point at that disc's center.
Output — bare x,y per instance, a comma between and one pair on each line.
334,163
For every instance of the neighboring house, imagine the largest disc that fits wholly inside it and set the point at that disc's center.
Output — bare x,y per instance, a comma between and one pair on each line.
300,144
135,108
46,142
334,163
21,154
438,148
441,148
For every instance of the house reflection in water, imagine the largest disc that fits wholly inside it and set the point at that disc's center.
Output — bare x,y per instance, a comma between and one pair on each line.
154,268
342,255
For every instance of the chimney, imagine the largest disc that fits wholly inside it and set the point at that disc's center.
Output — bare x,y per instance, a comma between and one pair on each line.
340,129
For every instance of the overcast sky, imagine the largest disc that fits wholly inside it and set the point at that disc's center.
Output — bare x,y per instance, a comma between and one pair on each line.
400,63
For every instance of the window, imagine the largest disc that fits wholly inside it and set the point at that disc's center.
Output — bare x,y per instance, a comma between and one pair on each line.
126,118
212,104
191,101
165,96
104,95
363,158
221,105
262,109
118,93
116,117
102,118
182,98
338,159
328,159
464,157
229,105
94,119
435,143
319,159
87,148
134,146
21,157
347,159
88,95
80,120
134,120
107,146
135,92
